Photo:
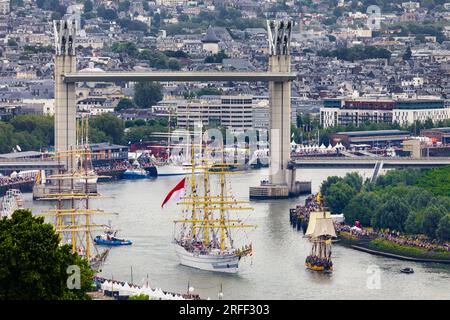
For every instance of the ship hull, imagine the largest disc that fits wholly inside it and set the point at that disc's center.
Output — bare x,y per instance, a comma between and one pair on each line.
318,268
134,175
216,263
173,170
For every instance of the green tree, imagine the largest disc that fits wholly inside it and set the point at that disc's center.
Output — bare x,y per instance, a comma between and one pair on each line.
392,213
139,297
7,136
110,125
362,208
414,222
33,265
443,230
173,64
208,91
431,219
338,196
147,94
125,103
354,180
328,183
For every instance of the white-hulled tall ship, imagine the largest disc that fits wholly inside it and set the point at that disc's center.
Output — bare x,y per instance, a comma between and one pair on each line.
205,237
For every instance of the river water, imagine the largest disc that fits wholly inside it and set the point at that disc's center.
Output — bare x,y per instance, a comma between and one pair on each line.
276,269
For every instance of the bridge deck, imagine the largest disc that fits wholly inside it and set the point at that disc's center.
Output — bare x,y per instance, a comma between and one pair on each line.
368,162
177,76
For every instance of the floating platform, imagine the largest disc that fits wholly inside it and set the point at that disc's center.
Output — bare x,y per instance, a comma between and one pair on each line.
271,192
41,191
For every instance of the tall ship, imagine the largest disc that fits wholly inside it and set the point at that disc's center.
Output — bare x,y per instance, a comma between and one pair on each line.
205,236
72,214
82,172
320,233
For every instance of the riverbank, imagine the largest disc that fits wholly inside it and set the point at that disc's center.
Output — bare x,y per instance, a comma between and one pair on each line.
386,248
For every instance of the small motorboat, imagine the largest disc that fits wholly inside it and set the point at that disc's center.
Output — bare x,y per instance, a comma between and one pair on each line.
110,239
407,270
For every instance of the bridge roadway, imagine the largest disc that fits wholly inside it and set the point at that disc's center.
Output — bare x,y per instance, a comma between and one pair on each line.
367,162
178,76
297,162
28,164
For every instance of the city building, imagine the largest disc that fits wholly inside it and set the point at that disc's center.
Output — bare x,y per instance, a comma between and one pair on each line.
362,110
106,153
437,134
377,138
210,41
5,7
234,112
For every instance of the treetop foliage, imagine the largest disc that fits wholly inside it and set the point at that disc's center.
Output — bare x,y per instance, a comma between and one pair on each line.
407,200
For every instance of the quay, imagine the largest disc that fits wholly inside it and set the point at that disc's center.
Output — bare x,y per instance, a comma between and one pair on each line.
367,162
397,256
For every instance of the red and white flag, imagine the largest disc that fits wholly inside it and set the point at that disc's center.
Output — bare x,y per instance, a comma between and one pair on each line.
176,193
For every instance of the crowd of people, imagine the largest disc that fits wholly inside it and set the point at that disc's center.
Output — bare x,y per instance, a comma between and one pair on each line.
198,247
316,261
421,241
311,204
114,166
8,180
397,237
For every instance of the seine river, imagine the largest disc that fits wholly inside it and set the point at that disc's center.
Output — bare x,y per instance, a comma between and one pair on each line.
275,271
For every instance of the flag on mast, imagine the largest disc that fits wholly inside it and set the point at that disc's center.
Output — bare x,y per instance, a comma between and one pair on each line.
176,193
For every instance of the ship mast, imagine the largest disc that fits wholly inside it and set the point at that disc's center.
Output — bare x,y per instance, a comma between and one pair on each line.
69,220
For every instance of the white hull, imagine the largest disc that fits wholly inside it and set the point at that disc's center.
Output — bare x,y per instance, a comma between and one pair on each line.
218,263
173,170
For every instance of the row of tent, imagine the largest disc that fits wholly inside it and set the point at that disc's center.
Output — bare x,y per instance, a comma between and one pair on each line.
127,290
314,148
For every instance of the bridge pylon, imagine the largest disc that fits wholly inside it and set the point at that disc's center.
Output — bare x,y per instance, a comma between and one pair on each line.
65,95
281,183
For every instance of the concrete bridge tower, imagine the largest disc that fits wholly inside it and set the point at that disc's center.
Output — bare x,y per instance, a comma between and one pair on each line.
65,97
281,182
279,34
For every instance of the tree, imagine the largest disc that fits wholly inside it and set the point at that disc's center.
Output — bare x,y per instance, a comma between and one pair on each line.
173,64
392,213
354,180
208,92
33,265
216,58
125,103
112,126
443,230
338,196
147,94
107,13
414,222
328,183
362,208
431,219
